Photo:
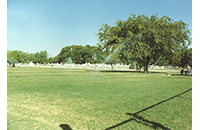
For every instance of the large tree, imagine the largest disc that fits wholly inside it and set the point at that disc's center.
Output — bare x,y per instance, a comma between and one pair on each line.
145,38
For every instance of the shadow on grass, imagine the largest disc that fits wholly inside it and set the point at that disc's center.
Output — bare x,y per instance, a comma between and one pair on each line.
143,121
65,127
123,71
146,122
117,71
128,71
179,75
134,71
150,72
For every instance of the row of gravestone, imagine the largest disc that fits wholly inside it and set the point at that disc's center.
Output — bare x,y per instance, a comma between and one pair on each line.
88,65
163,67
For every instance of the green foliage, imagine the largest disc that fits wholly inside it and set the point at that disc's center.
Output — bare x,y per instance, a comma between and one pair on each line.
161,61
23,57
98,61
65,60
51,60
12,61
31,57
99,56
41,57
111,61
147,38
133,66
79,54
186,58
14,55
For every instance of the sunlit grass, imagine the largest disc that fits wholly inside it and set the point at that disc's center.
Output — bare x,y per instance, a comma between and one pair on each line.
45,98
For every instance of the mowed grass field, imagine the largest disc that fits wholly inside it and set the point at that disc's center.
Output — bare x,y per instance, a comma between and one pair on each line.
60,99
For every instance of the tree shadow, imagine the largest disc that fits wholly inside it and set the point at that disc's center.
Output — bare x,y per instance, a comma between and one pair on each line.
65,127
179,75
167,73
146,122
128,71
119,71
134,71
141,120
122,71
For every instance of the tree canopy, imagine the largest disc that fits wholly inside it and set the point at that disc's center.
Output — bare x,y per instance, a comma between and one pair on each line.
24,57
78,53
146,39
14,55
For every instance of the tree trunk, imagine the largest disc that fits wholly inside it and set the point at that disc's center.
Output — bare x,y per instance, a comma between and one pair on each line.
146,68
146,63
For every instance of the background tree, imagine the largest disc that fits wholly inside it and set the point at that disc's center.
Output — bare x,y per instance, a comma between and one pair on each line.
14,54
44,57
87,53
146,38
41,57
24,57
79,54
31,57
12,61
51,60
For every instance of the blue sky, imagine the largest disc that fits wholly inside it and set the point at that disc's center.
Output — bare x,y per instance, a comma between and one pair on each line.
38,25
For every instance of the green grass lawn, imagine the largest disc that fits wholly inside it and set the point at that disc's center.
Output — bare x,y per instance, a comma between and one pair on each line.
56,98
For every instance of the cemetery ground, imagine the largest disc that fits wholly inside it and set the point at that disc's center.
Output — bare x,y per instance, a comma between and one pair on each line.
58,98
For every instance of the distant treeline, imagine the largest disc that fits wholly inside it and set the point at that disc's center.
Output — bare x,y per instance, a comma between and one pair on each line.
87,54
78,53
